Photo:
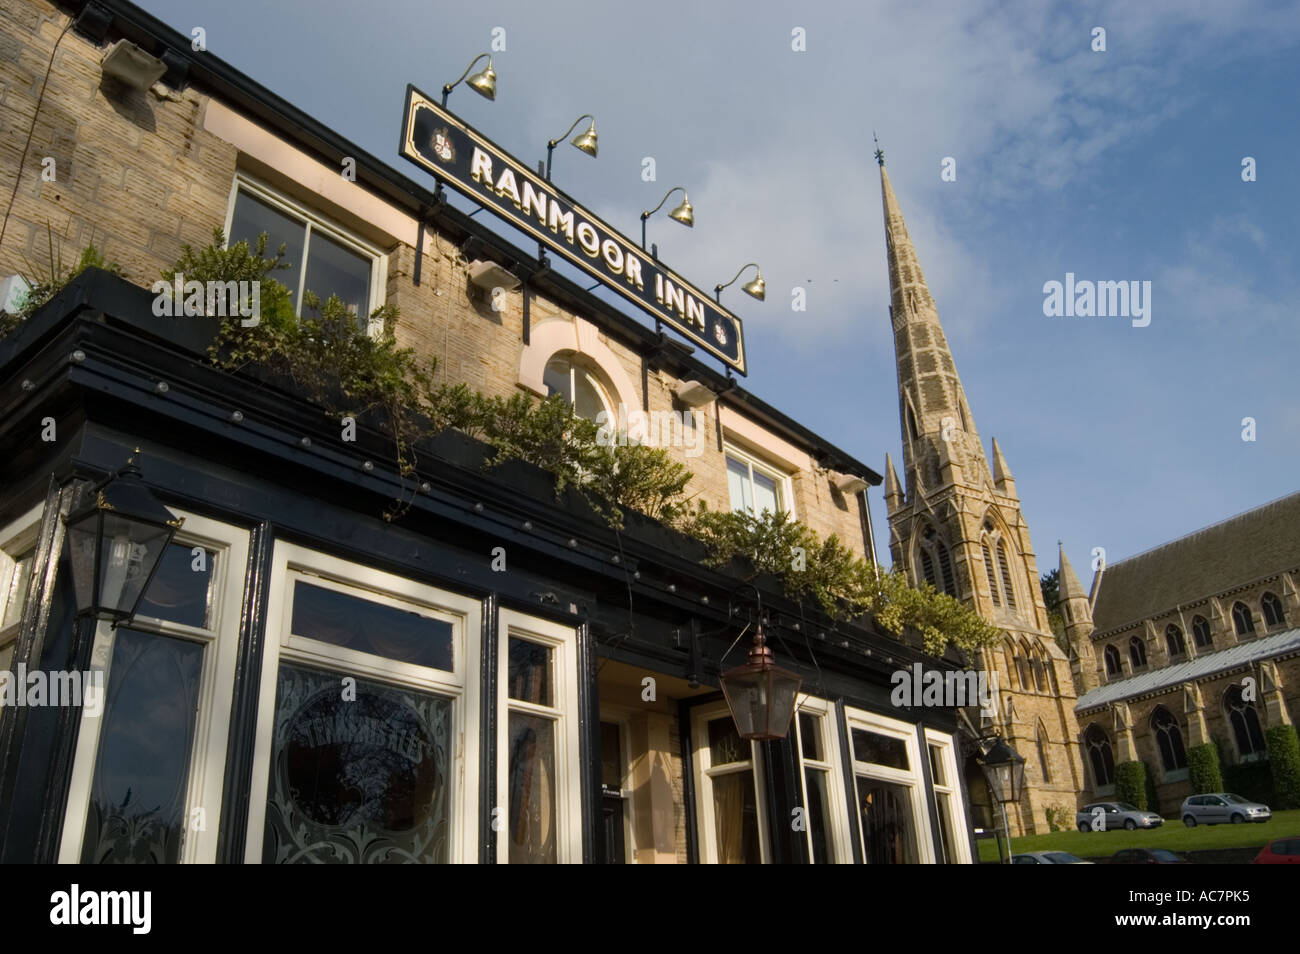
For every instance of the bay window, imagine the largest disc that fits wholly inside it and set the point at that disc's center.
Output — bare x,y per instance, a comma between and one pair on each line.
892,825
368,698
150,754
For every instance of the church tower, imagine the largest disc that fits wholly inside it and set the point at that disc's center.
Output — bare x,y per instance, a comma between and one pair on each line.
955,523
1076,607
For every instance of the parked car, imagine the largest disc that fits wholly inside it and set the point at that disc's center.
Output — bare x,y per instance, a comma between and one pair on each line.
1218,807
1047,858
1117,815
1146,856
1284,851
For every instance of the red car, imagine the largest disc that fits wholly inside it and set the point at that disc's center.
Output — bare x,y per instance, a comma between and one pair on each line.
1284,851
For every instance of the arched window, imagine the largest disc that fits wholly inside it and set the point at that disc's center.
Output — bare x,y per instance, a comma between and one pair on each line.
1241,619
1245,723
1201,633
1174,640
936,565
1050,665
1169,739
1272,606
911,422
988,570
1040,740
575,382
1023,661
1100,757
1008,589
1007,654
1040,676
1113,668
1137,653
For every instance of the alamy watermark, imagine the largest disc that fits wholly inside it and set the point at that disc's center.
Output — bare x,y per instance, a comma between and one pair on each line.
652,428
60,688
1085,299
194,299
952,688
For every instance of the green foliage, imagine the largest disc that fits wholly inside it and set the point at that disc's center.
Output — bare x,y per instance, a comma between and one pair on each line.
1153,794
1051,585
828,574
1284,757
1057,818
1252,780
1131,783
1203,771
47,280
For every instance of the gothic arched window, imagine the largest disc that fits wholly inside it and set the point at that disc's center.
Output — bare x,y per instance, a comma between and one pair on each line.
1245,722
1008,589
936,564
993,583
1169,739
1241,619
1100,757
1040,740
1113,667
1201,633
1272,606
1040,674
1174,640
1137,653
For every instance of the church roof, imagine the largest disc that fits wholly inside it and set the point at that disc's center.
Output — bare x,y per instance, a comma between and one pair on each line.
1236,551
1225,660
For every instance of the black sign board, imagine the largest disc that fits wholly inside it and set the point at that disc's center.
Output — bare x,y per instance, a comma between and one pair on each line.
470,163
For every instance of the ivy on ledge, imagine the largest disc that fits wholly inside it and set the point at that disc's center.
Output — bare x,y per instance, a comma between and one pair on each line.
333,359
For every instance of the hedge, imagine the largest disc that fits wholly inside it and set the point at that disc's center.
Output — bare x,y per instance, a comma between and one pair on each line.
1131,783
1284,757
1203,769
1250,780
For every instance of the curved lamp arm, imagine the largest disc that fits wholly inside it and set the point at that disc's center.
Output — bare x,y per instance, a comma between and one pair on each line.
754,288
589,147
646,215
446,90
683,213
564,135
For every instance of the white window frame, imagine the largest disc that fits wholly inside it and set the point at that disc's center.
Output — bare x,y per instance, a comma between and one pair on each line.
291,563
315,220
912,779
563,642
958,824
581,364
704,772
619,716
16,538
784,487
229,548
836,810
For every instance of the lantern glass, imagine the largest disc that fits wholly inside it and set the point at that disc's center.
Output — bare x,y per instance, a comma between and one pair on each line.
1005,769
761,699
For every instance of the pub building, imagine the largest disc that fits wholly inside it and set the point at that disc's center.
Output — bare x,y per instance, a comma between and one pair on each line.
495,676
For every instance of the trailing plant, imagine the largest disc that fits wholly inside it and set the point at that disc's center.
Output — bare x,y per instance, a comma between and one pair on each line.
46,281
830,575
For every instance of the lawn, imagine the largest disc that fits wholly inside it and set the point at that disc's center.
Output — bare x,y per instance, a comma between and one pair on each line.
1173,835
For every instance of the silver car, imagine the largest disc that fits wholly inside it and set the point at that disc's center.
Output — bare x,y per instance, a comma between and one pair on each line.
1047,858
1219,807
1108,816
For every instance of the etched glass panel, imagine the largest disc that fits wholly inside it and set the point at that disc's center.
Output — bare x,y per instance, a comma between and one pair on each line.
880,749
725,743
357,781
137,799
532,790
529,673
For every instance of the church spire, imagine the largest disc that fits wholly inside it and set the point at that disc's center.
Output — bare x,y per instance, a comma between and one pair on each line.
893,490
933,410
1002,478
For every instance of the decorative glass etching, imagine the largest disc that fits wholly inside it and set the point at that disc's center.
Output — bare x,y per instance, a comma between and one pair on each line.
357,781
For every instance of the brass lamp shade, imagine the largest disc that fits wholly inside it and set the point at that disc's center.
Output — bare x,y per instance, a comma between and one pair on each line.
586,141
756,289
761,695
684,213
485,82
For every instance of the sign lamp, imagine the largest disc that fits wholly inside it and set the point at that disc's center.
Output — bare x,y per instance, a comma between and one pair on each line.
484,82
116,543
585,140
755,289
684,213
760,694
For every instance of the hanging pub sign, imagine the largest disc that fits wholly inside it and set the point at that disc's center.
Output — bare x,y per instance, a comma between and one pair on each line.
470,163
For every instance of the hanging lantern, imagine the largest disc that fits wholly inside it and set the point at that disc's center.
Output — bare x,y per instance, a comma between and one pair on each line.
760,694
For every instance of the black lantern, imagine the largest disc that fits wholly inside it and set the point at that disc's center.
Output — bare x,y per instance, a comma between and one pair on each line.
760,694
1005,770
116,543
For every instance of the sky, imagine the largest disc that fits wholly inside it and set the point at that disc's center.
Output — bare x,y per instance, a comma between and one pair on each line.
1122,164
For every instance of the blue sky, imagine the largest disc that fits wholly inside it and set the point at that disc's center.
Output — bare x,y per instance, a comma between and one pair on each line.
1115,165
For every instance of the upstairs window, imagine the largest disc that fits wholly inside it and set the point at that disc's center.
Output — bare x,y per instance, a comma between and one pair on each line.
323,258
574,382
755,488
1174,640
1272,607
1201,633
1113,667
1241,619
1137,653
